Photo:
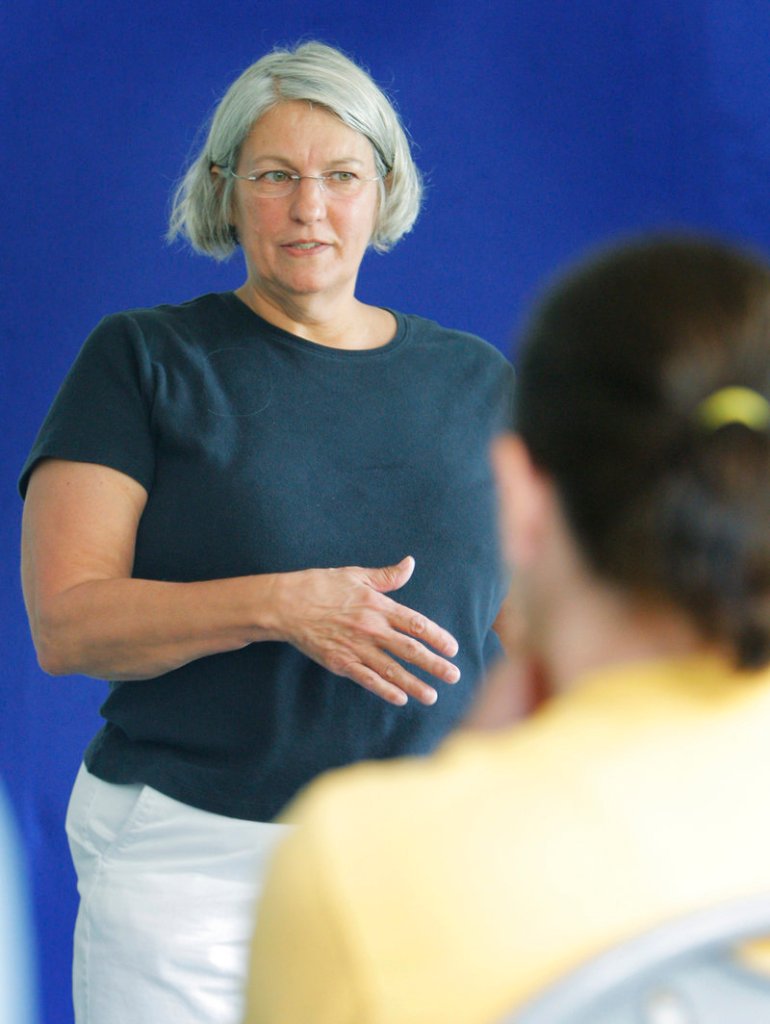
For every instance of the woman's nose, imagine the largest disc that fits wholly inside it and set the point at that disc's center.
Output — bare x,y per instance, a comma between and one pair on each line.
308,201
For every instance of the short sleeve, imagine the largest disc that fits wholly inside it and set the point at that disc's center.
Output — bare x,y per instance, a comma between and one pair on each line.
103,410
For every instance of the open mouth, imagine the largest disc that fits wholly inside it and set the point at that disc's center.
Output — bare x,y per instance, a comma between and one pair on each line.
305,246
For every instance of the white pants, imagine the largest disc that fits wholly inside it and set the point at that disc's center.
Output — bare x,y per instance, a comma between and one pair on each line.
167,906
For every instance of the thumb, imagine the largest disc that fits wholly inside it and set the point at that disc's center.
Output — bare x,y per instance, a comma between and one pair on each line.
391,577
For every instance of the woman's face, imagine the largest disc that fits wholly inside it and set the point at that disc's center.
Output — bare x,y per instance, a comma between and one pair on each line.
310,243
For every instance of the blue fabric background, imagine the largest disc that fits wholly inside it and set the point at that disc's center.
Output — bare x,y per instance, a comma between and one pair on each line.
542,128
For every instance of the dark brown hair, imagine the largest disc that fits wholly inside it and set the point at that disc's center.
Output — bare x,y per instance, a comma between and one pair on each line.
614,365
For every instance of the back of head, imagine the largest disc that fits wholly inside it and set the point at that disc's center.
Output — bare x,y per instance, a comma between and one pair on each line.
315,73
644,381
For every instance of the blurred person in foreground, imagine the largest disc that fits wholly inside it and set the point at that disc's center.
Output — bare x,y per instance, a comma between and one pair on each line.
635,510
267,517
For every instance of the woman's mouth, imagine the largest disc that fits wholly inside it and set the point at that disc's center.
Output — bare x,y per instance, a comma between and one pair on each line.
305,246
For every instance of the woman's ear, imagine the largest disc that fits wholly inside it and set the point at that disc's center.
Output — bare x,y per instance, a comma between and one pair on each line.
525,500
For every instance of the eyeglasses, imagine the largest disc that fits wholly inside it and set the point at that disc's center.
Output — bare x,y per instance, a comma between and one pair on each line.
274,184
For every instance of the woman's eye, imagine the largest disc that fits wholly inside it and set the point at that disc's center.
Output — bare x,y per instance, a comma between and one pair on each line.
343,177
274,177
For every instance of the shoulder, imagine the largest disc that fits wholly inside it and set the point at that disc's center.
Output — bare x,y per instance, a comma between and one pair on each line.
374,851
147,335
457,359
410,796
509,822
194,314
431,332
424,800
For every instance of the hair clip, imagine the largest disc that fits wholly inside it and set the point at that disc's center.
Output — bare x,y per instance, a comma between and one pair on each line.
734,405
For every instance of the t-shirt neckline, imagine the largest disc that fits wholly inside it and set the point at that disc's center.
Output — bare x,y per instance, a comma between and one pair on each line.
325,351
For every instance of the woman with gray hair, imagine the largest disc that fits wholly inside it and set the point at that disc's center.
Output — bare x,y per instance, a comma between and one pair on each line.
219,505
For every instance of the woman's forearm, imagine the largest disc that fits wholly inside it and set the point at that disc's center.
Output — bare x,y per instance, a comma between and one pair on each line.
137,629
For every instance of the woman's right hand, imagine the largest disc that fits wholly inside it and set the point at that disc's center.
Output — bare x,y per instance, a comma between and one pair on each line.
344,620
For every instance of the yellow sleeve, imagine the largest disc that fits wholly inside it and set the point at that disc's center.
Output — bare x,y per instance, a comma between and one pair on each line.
302,962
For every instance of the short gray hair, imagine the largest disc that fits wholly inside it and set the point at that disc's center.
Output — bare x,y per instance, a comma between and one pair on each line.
319,74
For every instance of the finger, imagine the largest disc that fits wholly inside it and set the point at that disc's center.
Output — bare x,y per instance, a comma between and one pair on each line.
389,670
415,624
390,577
412,651
372,681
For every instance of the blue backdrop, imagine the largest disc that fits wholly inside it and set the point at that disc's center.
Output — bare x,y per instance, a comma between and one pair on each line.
541,127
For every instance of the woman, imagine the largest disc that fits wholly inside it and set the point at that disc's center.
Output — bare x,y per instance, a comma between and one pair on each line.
200,503
635,501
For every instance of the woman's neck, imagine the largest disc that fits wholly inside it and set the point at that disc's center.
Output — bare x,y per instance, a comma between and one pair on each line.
344,324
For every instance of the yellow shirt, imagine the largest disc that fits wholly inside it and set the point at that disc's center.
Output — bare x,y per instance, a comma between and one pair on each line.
447,890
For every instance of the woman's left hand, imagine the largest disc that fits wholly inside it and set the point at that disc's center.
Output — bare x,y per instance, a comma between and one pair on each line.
344,620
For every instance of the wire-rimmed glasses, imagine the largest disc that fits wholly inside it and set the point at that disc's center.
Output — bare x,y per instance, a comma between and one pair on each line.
272,184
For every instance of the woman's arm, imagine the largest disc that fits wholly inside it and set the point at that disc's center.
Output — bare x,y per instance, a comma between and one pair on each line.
89,616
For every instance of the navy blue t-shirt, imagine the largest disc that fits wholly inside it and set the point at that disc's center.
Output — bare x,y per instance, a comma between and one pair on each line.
262,452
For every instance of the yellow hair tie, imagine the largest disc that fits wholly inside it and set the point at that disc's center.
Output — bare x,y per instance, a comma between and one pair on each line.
734,405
